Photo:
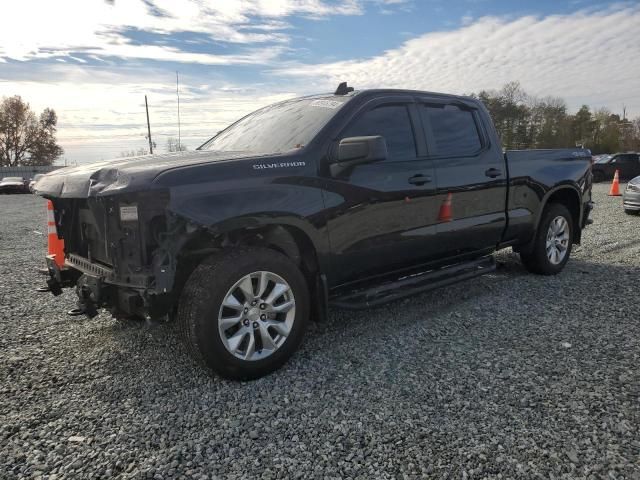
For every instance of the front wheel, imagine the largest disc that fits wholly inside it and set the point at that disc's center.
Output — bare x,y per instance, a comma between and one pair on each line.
244,312
552,243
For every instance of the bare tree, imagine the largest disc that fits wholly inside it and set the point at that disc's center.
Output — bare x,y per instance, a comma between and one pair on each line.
134,153
174,146
24,138
525,121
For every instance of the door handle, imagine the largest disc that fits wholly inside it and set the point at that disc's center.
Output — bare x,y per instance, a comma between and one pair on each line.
493,173
419,179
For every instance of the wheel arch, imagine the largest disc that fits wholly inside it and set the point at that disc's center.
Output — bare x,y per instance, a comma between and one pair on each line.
288,236
569,196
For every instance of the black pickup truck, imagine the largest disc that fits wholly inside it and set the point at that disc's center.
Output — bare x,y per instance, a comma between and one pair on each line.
348,199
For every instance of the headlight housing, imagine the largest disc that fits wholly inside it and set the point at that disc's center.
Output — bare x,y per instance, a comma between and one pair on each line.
634,187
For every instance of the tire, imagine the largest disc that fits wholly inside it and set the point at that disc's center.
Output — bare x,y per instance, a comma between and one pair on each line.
537,260
631,212
598,176
202,317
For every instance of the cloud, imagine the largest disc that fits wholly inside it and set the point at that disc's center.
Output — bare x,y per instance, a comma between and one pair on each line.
32,29
585,57
101,111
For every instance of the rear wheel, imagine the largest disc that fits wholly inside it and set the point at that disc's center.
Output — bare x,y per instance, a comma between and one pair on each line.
553,241
243,313
631,212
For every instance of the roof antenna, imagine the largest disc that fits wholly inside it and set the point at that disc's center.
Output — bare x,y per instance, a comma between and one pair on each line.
343,89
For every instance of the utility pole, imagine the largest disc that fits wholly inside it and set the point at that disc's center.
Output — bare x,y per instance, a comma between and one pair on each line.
146,105
178,95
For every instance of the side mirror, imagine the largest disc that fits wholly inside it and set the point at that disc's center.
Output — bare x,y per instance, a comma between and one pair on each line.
358,150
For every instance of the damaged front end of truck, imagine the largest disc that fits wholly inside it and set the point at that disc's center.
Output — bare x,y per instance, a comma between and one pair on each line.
121,245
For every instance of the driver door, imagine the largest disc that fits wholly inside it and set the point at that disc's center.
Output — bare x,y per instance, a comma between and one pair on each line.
383,214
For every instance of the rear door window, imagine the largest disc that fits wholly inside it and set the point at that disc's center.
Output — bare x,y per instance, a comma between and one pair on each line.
625,159
391,122
455,132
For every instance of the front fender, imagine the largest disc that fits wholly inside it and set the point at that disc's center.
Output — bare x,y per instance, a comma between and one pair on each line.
290,202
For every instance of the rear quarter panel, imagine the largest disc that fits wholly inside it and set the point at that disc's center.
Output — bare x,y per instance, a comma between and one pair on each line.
534,176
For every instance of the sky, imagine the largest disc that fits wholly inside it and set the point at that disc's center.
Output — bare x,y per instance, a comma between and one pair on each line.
93,61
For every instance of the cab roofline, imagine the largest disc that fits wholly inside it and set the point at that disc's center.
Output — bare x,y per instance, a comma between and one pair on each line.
379,91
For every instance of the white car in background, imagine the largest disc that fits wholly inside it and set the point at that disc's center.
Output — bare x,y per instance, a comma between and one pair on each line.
631,197
13,185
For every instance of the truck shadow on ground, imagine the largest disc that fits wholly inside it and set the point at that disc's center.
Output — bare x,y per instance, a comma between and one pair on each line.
500,304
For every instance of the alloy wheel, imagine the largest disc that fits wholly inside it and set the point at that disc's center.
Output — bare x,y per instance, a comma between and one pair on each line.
256,315
557,240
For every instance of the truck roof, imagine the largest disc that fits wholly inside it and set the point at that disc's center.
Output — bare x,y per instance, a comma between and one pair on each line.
384,91
388,91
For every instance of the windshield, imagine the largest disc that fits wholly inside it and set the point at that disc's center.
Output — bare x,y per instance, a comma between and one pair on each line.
278,128
12,179
603,159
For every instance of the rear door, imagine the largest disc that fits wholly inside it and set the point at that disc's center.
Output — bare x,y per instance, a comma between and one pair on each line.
382,215
471,177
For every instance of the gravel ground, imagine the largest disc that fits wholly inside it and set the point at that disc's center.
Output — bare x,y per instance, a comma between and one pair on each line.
507,376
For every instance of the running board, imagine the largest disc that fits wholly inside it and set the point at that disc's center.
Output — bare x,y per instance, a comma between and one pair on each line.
412,284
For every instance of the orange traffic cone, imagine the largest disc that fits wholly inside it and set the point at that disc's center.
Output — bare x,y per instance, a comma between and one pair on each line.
445,209
56,245
615,186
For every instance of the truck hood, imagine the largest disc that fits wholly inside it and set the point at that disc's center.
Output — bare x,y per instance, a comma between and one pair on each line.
128,174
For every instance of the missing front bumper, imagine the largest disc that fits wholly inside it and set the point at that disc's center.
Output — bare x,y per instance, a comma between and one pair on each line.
59,278
93,288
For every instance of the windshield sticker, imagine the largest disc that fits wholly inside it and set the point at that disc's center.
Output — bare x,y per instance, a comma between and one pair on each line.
326,103
262,166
